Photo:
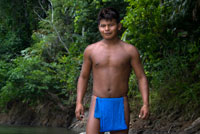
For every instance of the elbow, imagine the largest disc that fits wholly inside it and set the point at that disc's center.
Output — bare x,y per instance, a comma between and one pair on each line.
83,77
142,78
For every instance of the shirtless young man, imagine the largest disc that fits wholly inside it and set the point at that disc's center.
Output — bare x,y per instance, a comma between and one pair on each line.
111,61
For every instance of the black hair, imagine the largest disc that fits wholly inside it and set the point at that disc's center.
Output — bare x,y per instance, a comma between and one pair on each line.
108,14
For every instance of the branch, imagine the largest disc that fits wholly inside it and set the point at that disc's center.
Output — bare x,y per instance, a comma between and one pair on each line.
54,27
59,37
51,23
51,10
42,7
40,16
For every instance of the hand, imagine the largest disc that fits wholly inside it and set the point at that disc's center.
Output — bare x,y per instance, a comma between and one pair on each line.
144,112
79,111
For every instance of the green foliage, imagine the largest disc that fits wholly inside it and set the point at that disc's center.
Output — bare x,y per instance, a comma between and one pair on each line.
52,35
169,49
17,20
26,81
32,79
143,22
53,62
4,68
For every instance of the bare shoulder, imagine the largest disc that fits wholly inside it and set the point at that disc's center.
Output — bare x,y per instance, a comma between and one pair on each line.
130,49
89,49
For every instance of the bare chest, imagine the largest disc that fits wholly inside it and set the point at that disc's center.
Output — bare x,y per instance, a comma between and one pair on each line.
110,58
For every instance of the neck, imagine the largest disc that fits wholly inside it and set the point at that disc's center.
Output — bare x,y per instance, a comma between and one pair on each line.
111,42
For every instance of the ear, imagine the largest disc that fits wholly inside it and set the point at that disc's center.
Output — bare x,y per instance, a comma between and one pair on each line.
119,25
98,27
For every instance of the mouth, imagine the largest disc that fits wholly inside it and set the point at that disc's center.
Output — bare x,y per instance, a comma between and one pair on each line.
107,33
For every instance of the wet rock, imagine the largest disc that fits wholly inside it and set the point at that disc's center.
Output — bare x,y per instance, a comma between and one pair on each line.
194,128
136,131
79,126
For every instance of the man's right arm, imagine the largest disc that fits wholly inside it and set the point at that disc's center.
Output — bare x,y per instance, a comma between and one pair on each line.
83,82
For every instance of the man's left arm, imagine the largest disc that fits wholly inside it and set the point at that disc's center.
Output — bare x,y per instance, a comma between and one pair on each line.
142,81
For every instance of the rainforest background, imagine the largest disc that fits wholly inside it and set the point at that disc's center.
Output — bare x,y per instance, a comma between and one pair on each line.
42,44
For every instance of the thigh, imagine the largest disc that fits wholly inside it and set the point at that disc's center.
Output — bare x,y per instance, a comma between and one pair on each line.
127,118
126,111
93,124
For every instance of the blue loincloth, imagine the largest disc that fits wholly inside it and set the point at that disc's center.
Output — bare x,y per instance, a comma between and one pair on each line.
110,111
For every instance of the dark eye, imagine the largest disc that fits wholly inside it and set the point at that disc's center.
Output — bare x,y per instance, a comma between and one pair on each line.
102,25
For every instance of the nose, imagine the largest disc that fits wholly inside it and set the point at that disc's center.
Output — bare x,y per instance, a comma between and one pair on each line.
107,28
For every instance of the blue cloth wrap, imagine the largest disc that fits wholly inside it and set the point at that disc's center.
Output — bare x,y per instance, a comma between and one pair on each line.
110,111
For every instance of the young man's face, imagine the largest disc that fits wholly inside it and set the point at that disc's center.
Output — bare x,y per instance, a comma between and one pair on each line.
109,28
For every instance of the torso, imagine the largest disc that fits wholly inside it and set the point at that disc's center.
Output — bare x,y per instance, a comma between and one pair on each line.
111,69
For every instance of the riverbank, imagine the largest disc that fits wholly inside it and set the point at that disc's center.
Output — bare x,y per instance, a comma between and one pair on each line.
154,125
52,115
47,114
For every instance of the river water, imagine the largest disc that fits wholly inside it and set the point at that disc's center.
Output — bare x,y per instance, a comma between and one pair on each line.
33,130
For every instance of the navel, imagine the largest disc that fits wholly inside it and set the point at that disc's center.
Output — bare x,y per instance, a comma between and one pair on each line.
96,64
